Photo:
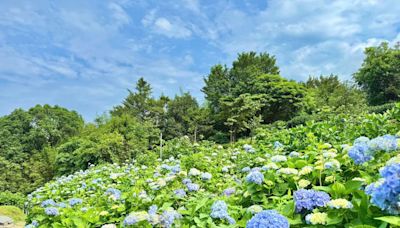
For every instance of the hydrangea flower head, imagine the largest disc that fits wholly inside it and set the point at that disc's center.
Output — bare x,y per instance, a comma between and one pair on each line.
75,201
192,187
206,176
49,202
317,218
340,204
219,209
268,219
52,211
254,209
114,193
360,153
277,145
194,172
333,164
309,199
180,193
229,191
248,148
288,171
255,177
246,169
385,193
135,217
278,158
385,143
186,181
168,217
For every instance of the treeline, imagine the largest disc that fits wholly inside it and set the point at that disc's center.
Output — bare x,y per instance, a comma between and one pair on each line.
46,141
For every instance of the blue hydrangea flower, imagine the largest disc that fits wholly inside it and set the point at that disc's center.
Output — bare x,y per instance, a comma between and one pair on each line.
49,202
385,143
219,209
248,148
75,201
229,191
33,224
206,176
390,170
175,168
277,145
268,219
255,177
168,217
186,181
130,220
361,153
51,211
62,205
115,193
180,193
310,199
361,139
246,169
192,187
153,210
386,192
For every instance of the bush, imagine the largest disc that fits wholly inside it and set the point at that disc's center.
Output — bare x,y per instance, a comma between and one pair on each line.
381,108
12,199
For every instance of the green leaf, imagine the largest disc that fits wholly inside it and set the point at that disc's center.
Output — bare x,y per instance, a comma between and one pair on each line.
338,188
394,220
201,204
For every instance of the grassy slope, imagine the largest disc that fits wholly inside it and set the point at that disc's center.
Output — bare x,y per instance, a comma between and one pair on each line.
14,213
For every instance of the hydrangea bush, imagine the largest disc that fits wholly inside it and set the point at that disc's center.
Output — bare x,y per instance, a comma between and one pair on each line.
338,173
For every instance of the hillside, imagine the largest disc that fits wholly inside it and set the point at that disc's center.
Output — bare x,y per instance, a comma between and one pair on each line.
339,172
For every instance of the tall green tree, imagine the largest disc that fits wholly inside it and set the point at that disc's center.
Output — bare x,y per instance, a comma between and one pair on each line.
337,95
379,74
138,102
26,142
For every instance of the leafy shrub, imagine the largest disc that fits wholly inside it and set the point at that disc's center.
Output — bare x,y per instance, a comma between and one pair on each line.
12,199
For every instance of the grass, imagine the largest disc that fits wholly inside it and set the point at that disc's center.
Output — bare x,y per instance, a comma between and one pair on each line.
13,212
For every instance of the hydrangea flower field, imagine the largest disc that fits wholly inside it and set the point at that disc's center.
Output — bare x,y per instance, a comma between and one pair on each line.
335,173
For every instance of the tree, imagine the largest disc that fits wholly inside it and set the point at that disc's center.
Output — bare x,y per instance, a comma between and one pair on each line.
138,102
27,139
282,99
339,96
379,74
239,112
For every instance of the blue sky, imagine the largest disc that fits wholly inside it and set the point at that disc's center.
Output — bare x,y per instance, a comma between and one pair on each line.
83,55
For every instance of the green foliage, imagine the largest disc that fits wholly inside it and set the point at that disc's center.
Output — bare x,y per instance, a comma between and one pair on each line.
12,199
120,139
379,74
252,90
340,97
149,181
26,139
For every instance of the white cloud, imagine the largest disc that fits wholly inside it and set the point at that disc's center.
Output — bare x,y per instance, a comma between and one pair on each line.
170,28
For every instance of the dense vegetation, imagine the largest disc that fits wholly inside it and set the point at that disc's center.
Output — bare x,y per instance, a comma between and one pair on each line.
248,103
